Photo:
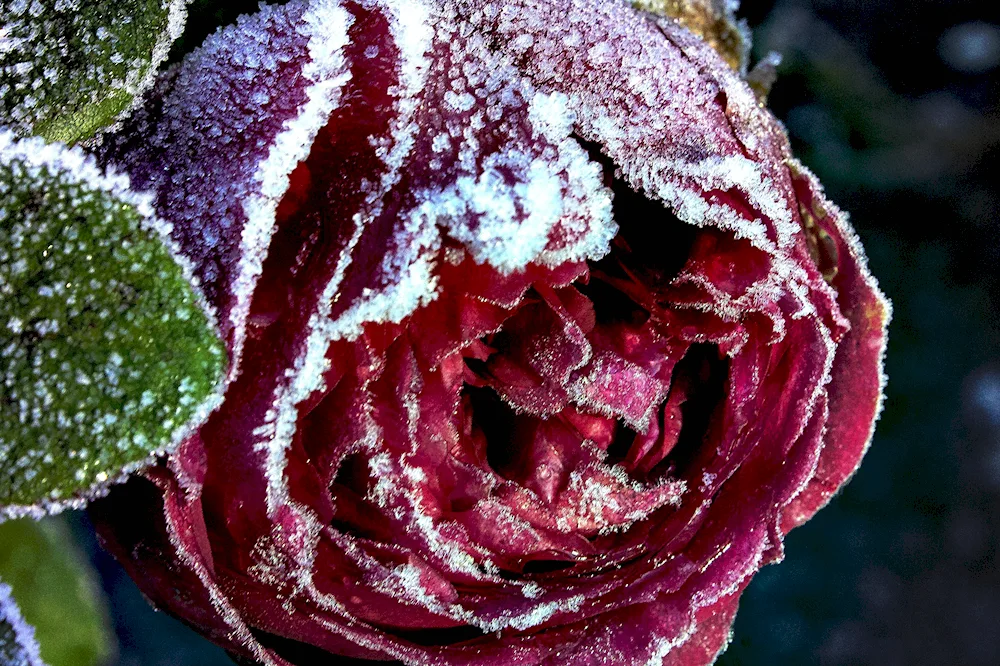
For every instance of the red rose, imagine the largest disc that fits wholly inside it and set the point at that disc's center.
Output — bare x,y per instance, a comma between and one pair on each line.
541,338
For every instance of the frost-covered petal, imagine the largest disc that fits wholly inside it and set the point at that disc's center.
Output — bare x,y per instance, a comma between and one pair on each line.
713,631
164,538
219,164
855,389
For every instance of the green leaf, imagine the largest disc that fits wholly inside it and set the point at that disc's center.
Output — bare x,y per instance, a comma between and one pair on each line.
71,67
56,591
108,354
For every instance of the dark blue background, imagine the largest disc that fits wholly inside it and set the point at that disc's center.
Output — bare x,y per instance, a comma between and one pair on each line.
894,103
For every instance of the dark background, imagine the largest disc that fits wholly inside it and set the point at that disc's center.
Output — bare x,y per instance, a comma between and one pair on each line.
894,103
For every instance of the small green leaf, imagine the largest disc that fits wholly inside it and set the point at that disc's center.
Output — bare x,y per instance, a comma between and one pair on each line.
107,352
56,591
71,67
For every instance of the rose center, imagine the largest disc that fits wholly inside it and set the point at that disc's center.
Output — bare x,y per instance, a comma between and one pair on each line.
589,373
583,412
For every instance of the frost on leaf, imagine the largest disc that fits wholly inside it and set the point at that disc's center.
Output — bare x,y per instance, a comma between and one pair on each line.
712,20
71,67
107,351
17,639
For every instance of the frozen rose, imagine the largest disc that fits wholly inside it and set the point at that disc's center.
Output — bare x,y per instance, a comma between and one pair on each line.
541,339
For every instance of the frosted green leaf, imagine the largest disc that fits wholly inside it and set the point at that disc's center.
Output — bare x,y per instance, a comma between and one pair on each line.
56,589
108,353
70,67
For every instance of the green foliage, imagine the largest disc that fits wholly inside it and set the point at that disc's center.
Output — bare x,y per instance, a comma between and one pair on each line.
71,67
56,593
107,352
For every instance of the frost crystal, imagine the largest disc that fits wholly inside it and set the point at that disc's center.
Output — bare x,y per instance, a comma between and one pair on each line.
108,354
71,67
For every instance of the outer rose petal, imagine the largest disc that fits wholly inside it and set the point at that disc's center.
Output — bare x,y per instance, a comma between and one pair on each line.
855,389
157,540
714,631
404,212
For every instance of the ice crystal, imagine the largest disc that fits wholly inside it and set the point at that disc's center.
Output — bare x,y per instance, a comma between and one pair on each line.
71,67
108,353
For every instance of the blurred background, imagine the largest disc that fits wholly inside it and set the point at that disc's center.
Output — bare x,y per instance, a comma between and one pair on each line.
895,104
